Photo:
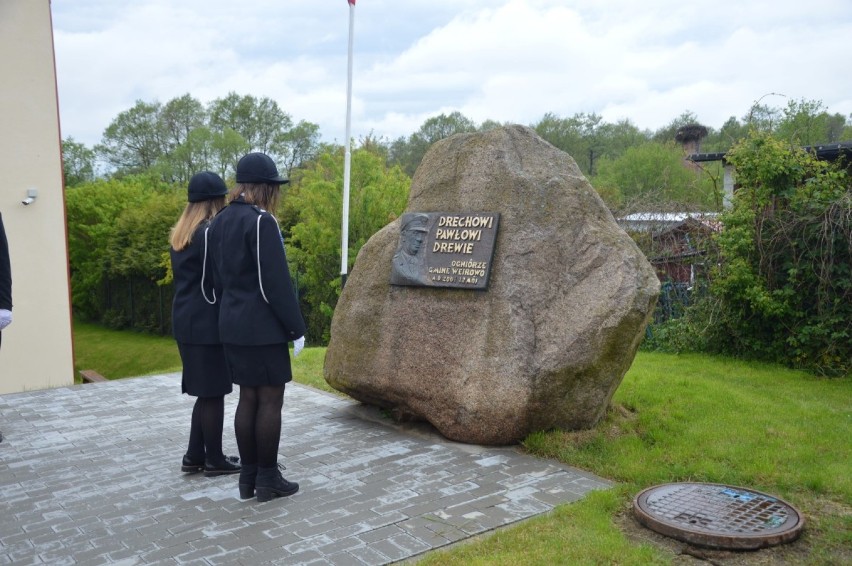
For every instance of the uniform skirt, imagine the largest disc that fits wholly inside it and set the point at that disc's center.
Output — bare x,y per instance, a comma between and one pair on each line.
204,370
254,366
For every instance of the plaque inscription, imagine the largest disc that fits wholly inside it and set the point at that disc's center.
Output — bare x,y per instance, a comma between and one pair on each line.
445,249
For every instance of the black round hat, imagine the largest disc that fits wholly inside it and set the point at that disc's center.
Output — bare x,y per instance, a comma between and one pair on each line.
206,185
258,168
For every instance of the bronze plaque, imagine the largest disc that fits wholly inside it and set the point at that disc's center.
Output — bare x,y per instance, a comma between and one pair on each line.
445,249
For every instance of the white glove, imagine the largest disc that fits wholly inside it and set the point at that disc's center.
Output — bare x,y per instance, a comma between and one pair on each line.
298,344
5,318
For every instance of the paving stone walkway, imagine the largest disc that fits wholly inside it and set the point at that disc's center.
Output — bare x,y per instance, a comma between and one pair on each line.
90,474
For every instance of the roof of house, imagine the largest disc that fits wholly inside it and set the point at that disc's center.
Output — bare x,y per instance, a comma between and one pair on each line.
827,151
665,221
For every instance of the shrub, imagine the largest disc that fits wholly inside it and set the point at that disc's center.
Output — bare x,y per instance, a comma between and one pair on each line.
784,285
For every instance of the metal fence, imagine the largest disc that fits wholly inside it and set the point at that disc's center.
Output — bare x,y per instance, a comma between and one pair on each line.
139,304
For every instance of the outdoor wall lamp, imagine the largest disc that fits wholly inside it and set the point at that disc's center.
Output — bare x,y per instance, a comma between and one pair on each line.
31,196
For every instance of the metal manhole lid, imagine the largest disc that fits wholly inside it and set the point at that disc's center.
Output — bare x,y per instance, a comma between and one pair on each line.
718,516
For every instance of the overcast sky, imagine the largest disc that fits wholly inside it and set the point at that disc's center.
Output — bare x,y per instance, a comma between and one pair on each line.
505,60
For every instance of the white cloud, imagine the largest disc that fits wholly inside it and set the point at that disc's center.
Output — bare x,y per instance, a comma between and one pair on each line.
506,60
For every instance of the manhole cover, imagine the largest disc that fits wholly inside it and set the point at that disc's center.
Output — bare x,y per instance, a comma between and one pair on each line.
718,516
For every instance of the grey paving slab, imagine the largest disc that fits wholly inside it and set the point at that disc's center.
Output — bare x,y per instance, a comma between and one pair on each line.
90,474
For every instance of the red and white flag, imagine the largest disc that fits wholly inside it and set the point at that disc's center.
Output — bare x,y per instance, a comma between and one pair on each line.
352,2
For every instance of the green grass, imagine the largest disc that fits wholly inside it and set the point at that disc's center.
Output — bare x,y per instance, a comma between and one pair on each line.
115,354
124,353
674,418
307,368
695,418
577,534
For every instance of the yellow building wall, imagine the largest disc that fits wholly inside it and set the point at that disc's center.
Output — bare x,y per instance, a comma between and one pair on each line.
36,350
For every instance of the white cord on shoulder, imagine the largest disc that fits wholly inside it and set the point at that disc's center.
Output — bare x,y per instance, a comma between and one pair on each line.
259,278
204,271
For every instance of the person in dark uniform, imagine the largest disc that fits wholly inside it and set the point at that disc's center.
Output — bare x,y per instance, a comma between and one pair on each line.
5,280
258,315
5,285
196,328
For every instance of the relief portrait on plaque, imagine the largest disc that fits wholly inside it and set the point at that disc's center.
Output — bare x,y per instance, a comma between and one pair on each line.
408,265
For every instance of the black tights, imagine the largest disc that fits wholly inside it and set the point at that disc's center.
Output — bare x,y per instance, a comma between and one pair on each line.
257,424
205,432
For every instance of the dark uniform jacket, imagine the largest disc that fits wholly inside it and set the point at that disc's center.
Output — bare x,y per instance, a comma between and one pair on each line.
257,304
5,271
194,319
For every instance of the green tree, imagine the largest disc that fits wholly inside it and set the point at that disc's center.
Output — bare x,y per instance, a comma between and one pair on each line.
409,153
762,117
258,120
178,118
374,144
171,141
378,194
262,126
227,147
186,138
134,141
588,139
806,122
846,133
654,176
176,140
78,163
443,126
566,134
195,153
298,145
489,125
400,153
836,128
616,138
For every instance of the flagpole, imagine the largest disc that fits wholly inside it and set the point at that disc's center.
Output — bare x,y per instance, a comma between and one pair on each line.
344,243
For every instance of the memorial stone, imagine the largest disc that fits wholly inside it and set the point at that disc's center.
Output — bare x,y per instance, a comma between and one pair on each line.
543,336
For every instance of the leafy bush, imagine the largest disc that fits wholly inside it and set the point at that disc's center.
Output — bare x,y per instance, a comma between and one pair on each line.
118,230
378,195
783,289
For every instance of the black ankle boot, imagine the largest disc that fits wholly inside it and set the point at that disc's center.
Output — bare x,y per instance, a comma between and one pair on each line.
270,484
248,477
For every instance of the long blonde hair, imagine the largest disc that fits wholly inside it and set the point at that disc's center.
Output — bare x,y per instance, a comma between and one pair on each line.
262,195
194,214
